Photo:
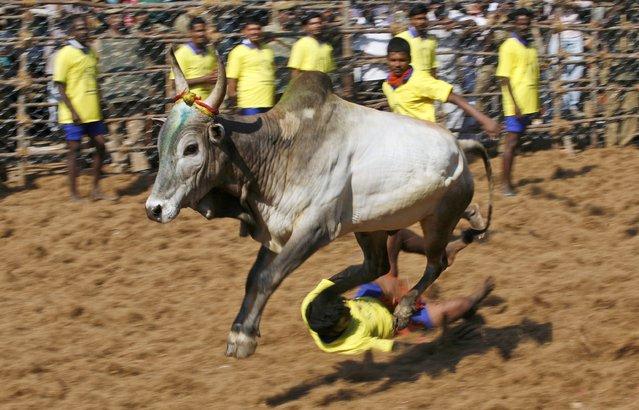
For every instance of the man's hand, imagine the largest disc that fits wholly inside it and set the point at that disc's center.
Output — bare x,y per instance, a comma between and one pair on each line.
492,128
212,78
75,117
517,111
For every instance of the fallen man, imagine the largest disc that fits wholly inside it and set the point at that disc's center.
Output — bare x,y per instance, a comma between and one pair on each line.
351,326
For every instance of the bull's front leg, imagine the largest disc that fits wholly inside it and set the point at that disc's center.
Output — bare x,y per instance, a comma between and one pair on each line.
242,340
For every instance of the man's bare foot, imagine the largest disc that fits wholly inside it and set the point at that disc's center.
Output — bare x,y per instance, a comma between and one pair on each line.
480,295
98,195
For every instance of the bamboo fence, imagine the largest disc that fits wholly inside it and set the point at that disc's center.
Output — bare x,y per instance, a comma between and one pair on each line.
28,136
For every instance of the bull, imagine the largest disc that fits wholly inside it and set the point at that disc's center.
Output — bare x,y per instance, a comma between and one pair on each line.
313,168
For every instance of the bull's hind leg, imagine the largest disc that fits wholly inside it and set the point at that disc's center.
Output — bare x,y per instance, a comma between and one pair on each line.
437,231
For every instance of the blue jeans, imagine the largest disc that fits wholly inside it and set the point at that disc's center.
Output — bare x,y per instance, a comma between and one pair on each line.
372,290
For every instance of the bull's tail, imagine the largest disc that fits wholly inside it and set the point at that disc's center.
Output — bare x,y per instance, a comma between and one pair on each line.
475,147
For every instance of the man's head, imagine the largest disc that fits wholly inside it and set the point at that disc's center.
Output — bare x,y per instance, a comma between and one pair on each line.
78,28
313,24
252,29
197,31
286,13
418,18
398,55
114,20
328,315
522,18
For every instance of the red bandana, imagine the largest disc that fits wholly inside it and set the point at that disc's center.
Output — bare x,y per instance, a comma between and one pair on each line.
396,81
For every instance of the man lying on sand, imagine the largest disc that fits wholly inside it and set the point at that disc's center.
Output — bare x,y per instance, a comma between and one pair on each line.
351,326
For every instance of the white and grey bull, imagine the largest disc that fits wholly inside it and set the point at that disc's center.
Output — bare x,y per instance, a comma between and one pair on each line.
313,168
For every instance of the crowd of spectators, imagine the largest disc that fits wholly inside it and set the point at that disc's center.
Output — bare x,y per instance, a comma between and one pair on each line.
132,48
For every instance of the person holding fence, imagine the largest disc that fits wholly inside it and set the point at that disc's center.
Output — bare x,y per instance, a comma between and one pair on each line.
197,61
251,71
75,74
311,52
518,71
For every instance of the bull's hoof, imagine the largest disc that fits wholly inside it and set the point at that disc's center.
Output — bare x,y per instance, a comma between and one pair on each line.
401,316
240,345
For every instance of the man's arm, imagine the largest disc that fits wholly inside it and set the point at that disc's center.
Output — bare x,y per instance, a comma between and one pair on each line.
205,79
295,72
231,92
67,102
490,126
505,81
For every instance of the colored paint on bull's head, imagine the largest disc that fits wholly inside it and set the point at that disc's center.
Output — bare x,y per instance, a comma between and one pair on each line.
175,122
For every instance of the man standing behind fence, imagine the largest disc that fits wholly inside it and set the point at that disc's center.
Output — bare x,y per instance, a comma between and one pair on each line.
518,71
197,61
75,74
422,48
312,52
251,71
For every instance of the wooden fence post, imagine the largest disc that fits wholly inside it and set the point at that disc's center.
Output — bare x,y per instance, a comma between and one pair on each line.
347,52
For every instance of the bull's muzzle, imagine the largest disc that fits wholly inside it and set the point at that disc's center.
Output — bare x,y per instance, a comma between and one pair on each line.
154,212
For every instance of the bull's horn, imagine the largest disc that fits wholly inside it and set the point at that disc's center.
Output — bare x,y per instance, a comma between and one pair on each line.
180,81
217,95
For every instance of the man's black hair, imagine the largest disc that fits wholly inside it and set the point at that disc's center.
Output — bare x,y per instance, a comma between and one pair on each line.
68,22
418,9
522,11
196,20
325,311
251,19
309,16
398,45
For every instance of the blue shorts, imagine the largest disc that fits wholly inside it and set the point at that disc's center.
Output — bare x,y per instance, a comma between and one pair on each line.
372,290
252,111
75,132
518,124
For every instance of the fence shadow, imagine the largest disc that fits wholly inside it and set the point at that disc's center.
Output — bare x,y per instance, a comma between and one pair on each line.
431,359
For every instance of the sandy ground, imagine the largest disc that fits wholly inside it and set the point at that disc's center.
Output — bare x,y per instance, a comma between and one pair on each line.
102,308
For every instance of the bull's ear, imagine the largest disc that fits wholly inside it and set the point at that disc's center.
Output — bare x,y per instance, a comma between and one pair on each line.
216,133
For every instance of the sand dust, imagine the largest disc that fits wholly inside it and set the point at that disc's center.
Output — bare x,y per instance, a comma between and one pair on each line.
102,308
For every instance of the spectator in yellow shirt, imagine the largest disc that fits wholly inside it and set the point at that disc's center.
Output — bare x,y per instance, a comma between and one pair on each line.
197,61
75,74
351,326
251,72
412,92
422,47
518,71
311,53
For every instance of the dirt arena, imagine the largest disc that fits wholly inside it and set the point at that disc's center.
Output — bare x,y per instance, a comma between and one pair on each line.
102,308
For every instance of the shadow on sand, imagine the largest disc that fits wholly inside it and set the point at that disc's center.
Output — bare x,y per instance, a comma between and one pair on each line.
433,359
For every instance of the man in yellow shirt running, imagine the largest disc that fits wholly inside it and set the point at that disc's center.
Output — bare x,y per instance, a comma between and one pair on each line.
351,326
251,72
311,53
422,47
75,74
518,71
197,61
412,92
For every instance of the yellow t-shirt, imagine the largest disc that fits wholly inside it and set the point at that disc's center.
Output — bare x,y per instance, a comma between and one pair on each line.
254,69
519,64
422,51
415,98
370,328
79,73
195,65
308,54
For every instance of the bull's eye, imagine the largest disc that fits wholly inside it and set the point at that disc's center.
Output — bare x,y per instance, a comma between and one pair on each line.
190,149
